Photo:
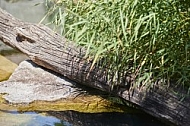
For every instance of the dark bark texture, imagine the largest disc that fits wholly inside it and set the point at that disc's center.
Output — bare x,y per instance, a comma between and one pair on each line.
52,51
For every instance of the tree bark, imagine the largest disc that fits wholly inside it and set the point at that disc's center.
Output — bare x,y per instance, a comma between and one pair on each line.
52,51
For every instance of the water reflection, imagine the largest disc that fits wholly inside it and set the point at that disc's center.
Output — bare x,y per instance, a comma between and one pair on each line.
13,118
25,10
73,118
106,119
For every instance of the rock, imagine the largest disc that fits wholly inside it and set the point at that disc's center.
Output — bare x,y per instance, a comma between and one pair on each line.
42,90
16,57
6,68
30,82
12,54
4,47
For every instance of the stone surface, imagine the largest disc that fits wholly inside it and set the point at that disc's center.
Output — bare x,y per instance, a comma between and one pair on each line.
30,82
33,88
4,47
16,57
6,68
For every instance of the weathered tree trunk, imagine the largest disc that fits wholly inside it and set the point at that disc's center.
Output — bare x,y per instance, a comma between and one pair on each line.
50,50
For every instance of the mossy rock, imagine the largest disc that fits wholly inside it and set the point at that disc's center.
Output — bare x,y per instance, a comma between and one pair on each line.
6,68
86,104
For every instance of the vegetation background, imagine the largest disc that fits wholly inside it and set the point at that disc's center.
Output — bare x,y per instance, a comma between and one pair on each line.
146,39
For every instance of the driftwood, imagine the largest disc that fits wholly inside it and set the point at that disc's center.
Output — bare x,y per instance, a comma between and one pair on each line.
50,50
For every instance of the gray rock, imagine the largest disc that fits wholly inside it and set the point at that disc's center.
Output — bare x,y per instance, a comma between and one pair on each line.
30,82
4,47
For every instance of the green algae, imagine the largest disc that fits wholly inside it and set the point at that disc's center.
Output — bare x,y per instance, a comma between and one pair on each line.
6,68
86,104
4,75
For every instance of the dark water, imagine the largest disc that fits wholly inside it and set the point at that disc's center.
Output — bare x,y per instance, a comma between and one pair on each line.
107,119
72,118
27,11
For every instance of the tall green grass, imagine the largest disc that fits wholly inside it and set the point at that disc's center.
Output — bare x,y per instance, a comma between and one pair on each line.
146,39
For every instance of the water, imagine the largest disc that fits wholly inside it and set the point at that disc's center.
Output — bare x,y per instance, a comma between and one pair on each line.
72,118
13,118
27,11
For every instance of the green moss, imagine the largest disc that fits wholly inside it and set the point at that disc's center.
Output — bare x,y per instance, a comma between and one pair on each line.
6,68
4,75
87,104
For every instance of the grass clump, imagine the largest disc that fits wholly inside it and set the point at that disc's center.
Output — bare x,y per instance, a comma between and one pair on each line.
146,39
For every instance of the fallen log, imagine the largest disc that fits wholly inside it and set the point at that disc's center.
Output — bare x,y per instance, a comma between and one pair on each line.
52,51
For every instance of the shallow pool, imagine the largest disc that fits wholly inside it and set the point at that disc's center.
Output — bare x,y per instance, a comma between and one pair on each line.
13,118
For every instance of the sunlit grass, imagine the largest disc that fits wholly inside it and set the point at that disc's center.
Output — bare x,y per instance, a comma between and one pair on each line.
146,39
